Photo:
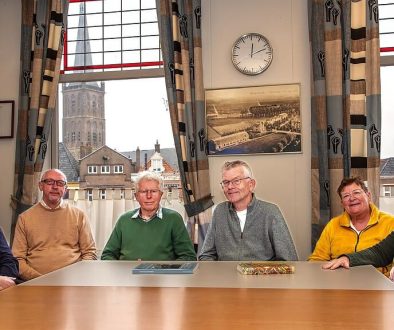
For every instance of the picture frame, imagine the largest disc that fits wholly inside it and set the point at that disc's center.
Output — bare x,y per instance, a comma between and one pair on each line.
254,120
7,119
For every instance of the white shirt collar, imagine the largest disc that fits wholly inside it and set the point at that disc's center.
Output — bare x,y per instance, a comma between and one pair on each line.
158,214
61,205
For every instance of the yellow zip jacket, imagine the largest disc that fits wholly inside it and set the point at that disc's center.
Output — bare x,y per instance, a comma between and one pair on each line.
339,238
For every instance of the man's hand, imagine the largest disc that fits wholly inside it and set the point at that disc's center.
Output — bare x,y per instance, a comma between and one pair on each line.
336,263
6,282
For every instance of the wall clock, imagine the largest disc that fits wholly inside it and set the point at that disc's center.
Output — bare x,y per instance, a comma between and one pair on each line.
252,54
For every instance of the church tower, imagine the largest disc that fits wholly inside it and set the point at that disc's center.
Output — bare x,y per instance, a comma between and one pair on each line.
83,103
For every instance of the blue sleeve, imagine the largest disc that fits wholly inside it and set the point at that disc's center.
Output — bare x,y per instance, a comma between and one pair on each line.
8,263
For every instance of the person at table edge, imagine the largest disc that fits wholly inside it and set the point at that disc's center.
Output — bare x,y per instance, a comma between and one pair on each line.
378,255
360,226
9,268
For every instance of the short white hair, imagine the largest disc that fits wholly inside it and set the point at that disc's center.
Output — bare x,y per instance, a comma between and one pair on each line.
148,176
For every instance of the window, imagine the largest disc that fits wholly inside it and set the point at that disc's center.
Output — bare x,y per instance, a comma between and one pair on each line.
105,169
118,169
92,169
112,34
102,194
122,191
386,191
89,194
386,23
386,31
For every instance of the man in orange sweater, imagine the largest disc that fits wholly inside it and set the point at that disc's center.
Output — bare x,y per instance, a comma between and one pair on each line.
51,234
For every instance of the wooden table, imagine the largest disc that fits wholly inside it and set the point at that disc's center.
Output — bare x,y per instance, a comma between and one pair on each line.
213,274
51,305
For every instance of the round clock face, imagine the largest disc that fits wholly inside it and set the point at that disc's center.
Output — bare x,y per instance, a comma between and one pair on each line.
251,54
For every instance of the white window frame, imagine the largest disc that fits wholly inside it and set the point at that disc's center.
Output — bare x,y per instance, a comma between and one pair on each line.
96,76
105,169
92,169
89,195
118,169
103,194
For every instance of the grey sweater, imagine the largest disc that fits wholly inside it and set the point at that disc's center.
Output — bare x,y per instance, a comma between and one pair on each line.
265,235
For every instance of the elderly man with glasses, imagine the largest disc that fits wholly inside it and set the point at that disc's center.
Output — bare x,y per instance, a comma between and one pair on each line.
359,227
150,232
52,233
244,227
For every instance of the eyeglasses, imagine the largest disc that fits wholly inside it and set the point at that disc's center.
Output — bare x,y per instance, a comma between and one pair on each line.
51,182
357,193
235,182
151,191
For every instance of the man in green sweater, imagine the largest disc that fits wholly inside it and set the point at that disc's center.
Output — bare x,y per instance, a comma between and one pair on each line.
149,232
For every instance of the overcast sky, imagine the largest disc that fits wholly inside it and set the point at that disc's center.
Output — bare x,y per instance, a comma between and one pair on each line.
136,114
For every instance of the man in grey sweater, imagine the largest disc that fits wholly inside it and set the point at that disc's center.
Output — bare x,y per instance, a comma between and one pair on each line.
245,228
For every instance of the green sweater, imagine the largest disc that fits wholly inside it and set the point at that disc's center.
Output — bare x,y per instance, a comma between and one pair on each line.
378,255
163,238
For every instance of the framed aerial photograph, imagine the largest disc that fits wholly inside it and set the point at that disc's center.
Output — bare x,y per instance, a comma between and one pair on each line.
254,120
6,119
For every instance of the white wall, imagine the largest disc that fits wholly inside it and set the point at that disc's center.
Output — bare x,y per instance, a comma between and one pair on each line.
10,27
282,179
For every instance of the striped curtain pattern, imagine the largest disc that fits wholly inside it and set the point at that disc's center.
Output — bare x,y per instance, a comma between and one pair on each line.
41,51
346,112
180,33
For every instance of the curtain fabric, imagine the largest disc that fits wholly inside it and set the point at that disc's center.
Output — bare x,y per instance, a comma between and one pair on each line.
346,111
41,51
180,33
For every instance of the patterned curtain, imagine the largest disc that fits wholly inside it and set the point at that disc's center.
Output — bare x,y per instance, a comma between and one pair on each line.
346,114
41,51
180,33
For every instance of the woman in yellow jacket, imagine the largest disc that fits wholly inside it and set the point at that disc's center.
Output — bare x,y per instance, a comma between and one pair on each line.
359,227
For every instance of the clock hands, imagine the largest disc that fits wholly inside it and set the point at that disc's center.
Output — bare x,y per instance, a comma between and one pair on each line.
249,58
257,51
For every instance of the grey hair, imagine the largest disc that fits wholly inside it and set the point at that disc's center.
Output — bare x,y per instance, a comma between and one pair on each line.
148,176
43,174
238,163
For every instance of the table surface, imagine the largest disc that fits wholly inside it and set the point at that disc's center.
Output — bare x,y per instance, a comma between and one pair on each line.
213,274
115,308
106,295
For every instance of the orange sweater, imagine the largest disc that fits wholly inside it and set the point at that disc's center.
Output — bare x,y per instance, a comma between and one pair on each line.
46,240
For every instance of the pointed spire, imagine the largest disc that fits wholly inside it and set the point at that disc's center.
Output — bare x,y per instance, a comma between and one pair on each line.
157,146
83,55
